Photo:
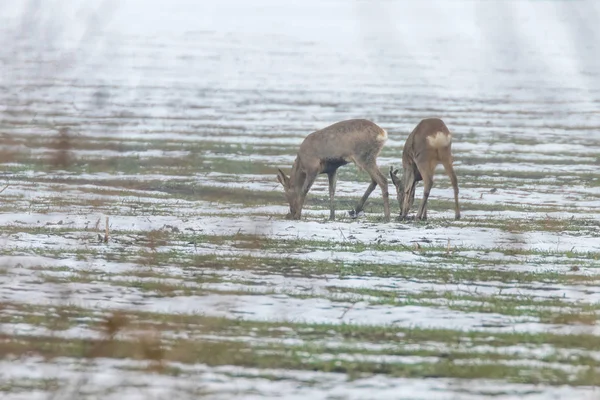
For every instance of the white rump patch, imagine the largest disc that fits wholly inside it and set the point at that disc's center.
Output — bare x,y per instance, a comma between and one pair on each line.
382,137
439,140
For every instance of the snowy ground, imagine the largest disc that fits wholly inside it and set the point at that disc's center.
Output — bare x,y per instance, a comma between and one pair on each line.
150,257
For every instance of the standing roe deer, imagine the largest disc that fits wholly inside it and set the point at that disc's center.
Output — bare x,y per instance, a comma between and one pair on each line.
428,145
324,151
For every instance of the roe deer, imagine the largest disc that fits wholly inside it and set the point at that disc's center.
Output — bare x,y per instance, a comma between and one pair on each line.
324,151
428,145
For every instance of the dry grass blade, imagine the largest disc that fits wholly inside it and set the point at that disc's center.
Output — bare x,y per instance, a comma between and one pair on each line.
106,231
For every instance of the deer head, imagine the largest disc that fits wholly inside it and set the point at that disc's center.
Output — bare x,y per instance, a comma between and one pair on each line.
405,188
398,184
290,193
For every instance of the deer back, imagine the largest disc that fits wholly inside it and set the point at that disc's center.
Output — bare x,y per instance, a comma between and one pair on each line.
344,140
430,134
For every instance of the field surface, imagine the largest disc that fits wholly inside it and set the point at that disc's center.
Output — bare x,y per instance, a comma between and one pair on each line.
144,252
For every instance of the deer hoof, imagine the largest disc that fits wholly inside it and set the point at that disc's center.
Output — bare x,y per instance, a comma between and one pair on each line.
353,214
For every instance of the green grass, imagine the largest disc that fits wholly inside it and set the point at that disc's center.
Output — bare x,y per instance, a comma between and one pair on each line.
152,284
452,360
309,332
520,283
246,197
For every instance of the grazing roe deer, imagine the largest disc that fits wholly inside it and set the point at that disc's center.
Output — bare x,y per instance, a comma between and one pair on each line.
324,151
428,145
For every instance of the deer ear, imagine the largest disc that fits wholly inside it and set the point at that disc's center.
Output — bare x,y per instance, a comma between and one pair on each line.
394,176
284,180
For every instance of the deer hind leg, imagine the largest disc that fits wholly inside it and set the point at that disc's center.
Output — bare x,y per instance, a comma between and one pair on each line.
332,176
426,169
377,178
450,171
361,203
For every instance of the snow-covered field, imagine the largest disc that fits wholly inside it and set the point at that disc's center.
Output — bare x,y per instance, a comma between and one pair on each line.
144,253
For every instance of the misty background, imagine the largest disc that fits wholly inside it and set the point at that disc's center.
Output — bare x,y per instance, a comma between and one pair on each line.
200,67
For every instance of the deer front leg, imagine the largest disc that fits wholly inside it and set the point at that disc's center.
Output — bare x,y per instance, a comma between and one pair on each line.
408,195
427,174
422,213
409,199
332,176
